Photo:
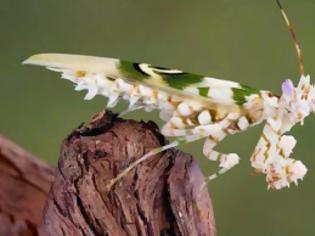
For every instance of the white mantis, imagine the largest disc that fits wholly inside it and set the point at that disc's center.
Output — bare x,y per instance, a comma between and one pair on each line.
197,107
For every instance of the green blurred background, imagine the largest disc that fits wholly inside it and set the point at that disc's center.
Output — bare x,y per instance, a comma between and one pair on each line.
241,40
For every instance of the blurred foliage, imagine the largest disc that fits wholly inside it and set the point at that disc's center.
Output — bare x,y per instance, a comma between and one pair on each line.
241,40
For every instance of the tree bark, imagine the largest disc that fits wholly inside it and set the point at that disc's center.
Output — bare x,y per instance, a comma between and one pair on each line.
159,197
24,185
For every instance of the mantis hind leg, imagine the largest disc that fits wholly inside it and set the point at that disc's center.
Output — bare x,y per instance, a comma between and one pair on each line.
130,109
177,142
140,160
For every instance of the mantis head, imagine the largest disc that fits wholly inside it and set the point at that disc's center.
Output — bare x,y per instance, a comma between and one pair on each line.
297,103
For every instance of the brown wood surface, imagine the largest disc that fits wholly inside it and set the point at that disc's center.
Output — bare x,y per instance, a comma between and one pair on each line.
160,197
24,185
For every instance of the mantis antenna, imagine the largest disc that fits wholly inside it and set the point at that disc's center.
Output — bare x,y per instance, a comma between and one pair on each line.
293,35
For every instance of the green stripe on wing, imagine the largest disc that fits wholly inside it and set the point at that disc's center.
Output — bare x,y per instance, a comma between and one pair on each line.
132,71
203,91
173,78
182,80
240,94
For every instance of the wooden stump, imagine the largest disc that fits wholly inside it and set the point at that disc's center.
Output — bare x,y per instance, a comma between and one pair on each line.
160,197
24,185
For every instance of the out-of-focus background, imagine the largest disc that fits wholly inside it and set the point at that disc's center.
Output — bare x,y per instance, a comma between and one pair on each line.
242,40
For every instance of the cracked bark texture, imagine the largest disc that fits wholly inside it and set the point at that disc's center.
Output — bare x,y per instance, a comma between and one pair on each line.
24,185
160,197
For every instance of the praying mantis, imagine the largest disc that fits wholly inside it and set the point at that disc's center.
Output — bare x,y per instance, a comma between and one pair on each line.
195,107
